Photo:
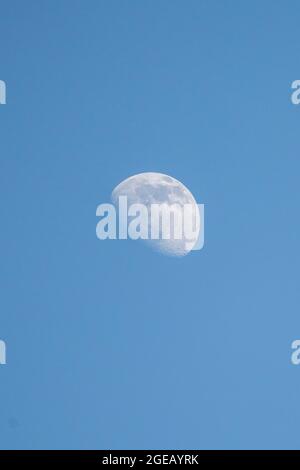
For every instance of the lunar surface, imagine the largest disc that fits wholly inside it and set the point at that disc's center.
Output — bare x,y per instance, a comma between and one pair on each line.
158,188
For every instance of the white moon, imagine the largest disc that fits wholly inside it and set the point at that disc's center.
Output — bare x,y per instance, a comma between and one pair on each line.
157,188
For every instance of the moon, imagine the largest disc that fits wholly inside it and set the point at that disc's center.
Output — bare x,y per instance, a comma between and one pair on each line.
158,188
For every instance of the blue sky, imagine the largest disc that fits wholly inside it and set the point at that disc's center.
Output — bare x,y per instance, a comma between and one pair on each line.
109,344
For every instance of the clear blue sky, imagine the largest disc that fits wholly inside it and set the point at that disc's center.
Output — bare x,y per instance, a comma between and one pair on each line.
109,344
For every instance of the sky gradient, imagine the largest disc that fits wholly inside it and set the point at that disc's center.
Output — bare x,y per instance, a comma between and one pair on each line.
109,345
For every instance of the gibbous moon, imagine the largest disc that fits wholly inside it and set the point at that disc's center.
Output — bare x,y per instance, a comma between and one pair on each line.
158,188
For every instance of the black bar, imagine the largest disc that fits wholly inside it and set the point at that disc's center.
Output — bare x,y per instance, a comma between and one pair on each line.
137,458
